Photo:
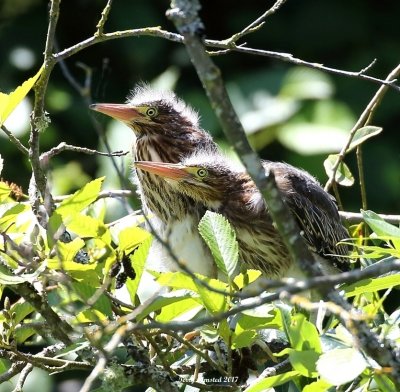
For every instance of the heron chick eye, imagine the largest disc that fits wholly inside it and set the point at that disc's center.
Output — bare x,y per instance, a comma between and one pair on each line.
202,173
151,112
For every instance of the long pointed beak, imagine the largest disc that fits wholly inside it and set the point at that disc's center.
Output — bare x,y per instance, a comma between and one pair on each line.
118,111
173,171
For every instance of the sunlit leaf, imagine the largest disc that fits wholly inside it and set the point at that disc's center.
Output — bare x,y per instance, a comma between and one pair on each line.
90,316
348,363
8,102
131,237
270,382
213,301
138,260
343,174
317,386
176,310
244,339
81,198
4,190
164,300
242,280
382,228
363,134
221,239
85,226
372,285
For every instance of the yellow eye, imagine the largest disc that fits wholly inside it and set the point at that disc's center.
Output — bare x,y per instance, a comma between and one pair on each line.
151,112
202,173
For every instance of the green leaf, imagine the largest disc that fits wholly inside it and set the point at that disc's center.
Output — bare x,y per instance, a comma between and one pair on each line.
304,362
24,333
68,250
11,215
163,300
303,335
214,302
221,239
4,365
138,260
85,226
382,228
243,280
343,174
372,285
80,199
363,134
1,164
348,363
244,339
4,188
317,386
182,311
265,316
8,102
131,237
274,381
86,292
21,309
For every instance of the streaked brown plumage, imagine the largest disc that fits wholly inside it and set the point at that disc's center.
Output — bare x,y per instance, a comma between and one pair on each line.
213,180
167,130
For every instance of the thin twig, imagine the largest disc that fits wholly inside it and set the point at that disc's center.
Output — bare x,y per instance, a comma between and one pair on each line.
103,195
68,147
257,24
103,19
22,378
356,217
16,141
363,119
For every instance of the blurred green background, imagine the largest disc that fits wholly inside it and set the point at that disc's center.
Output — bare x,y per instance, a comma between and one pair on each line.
291,113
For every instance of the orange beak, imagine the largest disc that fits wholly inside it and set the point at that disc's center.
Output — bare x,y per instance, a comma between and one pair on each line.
119,111
173,171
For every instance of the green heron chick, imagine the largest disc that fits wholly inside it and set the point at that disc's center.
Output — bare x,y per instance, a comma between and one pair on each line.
213,180
166,130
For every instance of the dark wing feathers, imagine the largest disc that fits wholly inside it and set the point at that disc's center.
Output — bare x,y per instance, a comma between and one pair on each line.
315,210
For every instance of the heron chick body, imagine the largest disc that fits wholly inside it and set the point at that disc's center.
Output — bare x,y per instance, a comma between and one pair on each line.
222,187
166,130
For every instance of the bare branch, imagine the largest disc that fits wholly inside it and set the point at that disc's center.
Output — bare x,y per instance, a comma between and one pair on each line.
356,217
256,25
103,19
45,157
22,378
